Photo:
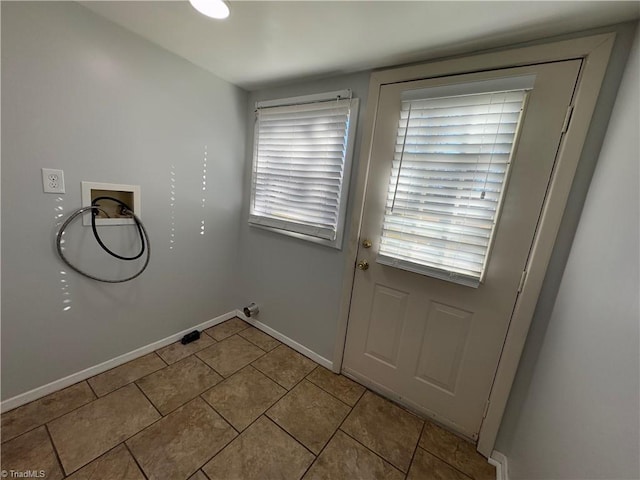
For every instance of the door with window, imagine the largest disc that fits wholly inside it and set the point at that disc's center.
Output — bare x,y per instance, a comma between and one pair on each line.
457,180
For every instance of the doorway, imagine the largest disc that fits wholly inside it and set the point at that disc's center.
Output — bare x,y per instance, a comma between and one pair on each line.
460,167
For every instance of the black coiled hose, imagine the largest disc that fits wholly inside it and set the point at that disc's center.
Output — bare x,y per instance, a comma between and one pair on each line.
125,210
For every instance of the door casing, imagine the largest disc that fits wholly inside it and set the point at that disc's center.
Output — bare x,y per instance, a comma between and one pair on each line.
595,50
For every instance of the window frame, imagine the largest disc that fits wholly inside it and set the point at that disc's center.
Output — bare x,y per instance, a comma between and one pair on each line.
346,169
523,84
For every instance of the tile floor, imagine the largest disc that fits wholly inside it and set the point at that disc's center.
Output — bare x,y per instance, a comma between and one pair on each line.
236,404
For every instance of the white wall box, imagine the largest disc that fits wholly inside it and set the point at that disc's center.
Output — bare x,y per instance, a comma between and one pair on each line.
129,194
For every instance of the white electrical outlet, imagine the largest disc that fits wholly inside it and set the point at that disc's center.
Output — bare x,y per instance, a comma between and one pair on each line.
52,180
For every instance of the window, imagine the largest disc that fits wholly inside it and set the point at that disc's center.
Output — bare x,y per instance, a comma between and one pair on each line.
301,165
452,158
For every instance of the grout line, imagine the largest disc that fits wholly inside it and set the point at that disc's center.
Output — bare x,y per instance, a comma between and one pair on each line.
160,357
163,416
239,433
264,414
288,391
190,354
255,419
24,433
290,435
152,404
203,332
154,422
332,435
182,404
269,407
464,474
330,393
51,419
260,331
234,333
97,397
197,395
413,456
73,410
134,459
207,364
224,380
78,377
129,382
188,400
436,455
433,454
106,452
424,420
276,381
154,407
250,364
224,447
225,339
214,408
374,452
194,355
327,392
90,388
55,451
225,419
216,372
35,428
367,448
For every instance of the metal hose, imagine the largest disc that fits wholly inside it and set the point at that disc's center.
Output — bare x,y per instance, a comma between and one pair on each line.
80,211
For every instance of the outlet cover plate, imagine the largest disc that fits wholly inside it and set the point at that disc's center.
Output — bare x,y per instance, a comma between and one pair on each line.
52,180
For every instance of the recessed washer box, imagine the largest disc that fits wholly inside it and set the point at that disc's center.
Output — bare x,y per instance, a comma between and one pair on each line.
129,194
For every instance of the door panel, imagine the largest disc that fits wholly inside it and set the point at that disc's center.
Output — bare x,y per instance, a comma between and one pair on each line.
385,327
443,346
434,343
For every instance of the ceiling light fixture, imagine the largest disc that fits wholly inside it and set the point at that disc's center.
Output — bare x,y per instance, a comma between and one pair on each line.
211,8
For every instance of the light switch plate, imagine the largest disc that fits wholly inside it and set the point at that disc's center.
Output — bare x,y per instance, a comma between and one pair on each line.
52,180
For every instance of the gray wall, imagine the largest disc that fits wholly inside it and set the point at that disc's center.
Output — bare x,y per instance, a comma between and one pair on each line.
297,283
574,410
83,95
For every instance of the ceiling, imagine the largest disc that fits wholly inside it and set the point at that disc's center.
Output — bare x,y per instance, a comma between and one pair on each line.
267,42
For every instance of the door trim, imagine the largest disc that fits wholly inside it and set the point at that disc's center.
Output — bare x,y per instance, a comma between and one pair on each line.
595,50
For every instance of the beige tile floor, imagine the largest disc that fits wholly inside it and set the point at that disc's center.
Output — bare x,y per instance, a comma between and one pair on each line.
234,405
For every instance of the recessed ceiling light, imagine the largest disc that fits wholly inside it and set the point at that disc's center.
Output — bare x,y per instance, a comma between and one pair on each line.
211,8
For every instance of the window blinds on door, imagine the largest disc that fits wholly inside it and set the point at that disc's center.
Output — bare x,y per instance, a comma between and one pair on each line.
451,162
299,166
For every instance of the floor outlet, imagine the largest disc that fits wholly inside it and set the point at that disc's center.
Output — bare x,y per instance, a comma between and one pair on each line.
52,180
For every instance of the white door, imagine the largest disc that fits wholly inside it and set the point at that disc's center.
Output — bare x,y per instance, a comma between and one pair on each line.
457,179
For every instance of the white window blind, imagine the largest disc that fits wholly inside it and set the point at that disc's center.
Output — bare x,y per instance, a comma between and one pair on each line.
451,162
301,167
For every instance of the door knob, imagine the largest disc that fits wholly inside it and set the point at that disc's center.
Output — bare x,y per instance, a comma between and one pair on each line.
366,243
363,265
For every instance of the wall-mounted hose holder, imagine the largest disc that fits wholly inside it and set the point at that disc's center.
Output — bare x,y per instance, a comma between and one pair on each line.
94,208
251,310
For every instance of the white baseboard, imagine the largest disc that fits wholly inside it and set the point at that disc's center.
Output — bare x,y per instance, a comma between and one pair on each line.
286,340
499,460
56,385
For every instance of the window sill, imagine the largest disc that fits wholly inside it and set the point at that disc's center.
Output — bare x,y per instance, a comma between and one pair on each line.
336,244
